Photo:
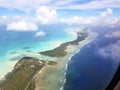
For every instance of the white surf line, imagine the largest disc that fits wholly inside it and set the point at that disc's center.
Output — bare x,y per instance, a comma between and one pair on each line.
81,44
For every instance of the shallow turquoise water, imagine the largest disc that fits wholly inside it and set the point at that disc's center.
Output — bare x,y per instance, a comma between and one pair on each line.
15,45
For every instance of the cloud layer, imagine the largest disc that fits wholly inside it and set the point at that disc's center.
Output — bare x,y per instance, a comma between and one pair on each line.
44,15
111,51
115,34
104,19
60,4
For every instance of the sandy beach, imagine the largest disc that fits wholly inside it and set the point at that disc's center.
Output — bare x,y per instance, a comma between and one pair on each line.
53,78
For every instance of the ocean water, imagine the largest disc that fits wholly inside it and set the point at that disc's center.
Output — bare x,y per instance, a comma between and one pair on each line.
15,45
87,70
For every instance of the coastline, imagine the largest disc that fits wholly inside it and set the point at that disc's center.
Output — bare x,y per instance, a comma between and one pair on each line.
90,38
11,67
17,55
60,69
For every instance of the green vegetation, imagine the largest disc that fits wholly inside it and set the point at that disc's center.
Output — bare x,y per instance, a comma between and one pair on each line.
22,77
57,52
52,63
60,51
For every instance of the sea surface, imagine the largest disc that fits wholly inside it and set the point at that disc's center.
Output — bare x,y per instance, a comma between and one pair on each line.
87,70
15,44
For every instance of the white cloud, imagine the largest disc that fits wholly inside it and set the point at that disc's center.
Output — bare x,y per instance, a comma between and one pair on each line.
111,51
115,34
107,13
42,15
22,26
95,4
45,15
6,19
104,19
59,4
78,20
40,34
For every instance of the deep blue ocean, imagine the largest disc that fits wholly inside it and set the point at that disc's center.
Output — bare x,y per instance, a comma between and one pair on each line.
87,70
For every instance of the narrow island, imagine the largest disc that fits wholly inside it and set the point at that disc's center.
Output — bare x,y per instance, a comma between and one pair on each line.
23,75
60,51
31,73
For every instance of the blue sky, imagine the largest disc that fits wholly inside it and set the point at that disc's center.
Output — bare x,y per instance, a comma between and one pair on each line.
29,14
86,7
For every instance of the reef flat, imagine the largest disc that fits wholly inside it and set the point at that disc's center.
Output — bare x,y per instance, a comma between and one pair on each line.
36,74
23,75
60,51
53,78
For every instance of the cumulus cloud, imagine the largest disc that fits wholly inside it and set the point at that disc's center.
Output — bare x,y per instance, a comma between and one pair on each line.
104,19
40,34
22,26
111,51
42,15
106,13
115,34
4,19
78,20
45,15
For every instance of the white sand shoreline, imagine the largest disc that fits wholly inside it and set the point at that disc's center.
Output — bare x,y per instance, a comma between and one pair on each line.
11,67
76,50
60,71
71,49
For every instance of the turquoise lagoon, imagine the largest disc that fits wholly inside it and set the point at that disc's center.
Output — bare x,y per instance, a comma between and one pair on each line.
15,45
